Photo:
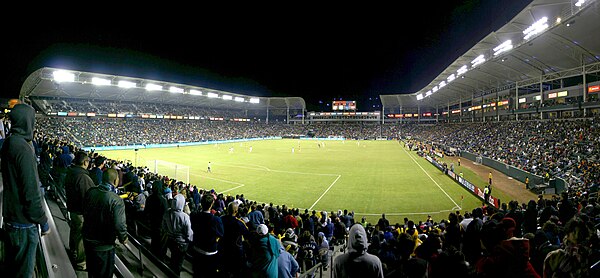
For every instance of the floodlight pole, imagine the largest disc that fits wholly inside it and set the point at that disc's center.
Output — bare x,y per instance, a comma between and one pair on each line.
516,101
584,86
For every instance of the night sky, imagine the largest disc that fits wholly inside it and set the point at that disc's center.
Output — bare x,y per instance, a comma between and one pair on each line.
316,52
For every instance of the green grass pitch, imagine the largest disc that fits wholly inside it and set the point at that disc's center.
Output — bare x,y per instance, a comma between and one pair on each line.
367,177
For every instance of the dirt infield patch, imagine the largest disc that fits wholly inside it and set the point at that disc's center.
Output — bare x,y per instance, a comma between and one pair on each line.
512,188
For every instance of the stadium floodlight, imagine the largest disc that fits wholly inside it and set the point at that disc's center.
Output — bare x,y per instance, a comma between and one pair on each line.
536,28
126,84
503,47
227,97
419,96
153,87
579,3
239,99
442,84
212,95
451,78
477,61
254,100
63,76
461,70
195,92
175,90
100,81
435,89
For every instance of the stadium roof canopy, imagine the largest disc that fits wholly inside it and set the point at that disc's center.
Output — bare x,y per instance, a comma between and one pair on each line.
58,83
549,40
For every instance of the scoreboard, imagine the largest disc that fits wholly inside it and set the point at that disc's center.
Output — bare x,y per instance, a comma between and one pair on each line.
344,105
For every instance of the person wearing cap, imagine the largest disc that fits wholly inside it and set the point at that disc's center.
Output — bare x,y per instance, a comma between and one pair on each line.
357,262
208,229
22,199
264,253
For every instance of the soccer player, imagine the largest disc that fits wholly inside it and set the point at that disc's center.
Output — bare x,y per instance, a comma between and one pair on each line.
208,170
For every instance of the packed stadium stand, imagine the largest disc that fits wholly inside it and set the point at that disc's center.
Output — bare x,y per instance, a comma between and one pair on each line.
534,107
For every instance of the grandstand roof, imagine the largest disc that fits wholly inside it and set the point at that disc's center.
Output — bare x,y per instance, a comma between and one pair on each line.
558,52
43,83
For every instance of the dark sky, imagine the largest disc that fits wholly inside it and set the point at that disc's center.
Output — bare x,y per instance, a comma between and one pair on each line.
317,52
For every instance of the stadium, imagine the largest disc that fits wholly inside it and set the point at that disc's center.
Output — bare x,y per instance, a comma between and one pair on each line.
490,170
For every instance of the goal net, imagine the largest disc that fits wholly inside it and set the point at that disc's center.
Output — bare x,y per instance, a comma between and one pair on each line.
176,171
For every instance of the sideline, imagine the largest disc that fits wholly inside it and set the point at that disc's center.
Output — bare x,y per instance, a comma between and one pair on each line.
437,184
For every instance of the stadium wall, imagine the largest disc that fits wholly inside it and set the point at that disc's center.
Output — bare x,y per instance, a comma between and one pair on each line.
150,146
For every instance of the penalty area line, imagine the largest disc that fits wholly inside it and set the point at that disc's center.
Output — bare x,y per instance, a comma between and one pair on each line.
327,190
437,184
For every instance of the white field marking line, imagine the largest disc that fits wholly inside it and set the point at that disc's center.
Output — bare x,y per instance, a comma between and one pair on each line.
327,190
233,182
413,159
276,171
230,189
404,213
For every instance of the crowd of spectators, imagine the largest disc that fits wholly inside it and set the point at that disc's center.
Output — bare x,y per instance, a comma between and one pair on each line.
551,238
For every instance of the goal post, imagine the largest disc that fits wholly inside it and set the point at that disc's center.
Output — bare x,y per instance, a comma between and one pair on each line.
177,171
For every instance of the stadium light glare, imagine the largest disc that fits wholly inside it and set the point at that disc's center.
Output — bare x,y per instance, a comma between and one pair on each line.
227,97
195,92
461,70
153,87
63,76
536,28
175,90
126,84
478,61
100,81
451,78
239,99
254,100
503,47
212,95
419,96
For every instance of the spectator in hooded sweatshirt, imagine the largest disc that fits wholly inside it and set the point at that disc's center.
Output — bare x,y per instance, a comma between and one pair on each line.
178,229
156,206
77,183
22,203
357,262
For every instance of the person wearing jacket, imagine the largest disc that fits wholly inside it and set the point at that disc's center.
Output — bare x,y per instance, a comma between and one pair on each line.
77,184
22,199
357,262
178,228
104,215
156,207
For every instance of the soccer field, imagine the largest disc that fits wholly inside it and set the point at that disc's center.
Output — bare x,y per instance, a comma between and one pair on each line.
367,177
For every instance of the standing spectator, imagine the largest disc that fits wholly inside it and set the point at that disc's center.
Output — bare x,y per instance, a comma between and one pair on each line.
77,183
178,229
357,262
287,266
104,215
96,172
383,223
234,231
264,251
208,229
22,200
156,206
